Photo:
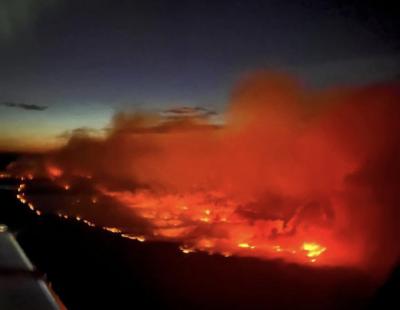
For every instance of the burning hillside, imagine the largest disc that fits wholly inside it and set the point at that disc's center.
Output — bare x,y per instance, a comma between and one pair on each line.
310,177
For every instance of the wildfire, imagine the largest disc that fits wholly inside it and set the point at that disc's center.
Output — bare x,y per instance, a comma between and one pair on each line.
114,230
22,197
284,176
313,250
186,249
170,214
54,171
89,223
4,175
133,237
245,245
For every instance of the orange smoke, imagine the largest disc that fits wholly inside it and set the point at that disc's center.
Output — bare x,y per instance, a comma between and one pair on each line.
307,176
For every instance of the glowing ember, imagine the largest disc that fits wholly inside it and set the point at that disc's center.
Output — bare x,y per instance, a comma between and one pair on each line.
246,246
313,250
186,250
113,230
133,237
54,172
89,223
4,175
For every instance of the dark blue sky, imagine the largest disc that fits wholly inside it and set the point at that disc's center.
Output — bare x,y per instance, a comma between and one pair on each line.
86,59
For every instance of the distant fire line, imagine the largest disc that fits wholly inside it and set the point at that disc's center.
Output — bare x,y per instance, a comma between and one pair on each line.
312,250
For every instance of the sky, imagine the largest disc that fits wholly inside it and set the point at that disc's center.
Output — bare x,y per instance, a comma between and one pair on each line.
68,64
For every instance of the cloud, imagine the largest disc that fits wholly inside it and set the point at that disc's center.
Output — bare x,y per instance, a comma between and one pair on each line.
24,106
81,132
186,112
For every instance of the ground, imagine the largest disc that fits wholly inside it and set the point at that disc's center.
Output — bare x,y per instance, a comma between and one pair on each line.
91,268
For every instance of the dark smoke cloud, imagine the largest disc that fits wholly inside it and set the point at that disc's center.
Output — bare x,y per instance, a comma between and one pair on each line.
24,106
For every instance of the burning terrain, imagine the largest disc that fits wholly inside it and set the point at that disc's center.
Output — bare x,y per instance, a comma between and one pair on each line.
306,176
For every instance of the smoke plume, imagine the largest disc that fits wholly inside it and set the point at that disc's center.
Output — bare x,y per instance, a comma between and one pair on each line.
307,176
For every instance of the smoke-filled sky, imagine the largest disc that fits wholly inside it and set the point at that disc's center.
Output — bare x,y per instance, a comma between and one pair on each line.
68,64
